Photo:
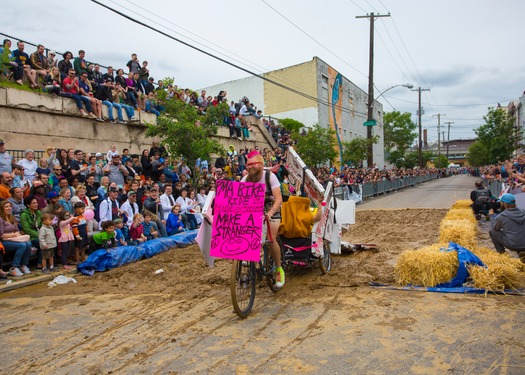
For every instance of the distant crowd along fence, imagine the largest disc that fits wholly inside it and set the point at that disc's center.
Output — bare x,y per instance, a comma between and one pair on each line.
370,189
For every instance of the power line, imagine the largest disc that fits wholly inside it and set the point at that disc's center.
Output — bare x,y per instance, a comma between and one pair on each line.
311,37
353,112
262,69
359,6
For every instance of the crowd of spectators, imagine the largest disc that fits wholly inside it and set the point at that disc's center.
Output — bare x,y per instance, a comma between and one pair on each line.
510,171
134,90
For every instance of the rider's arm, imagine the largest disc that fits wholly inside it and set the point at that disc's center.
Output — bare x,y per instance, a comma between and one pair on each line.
276,192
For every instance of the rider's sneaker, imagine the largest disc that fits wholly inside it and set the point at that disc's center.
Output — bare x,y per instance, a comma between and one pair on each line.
279,277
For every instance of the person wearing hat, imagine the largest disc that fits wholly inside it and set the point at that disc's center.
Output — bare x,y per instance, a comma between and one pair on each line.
103,92
39,192
508,229
116,171
52,202
130,207
149,86
6,160
51,61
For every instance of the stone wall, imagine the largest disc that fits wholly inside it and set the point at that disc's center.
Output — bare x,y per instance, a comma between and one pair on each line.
37,120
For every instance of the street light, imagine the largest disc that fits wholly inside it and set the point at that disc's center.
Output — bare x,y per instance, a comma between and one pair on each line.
419,149
407,85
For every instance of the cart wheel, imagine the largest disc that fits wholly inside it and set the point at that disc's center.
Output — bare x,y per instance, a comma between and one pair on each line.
325,262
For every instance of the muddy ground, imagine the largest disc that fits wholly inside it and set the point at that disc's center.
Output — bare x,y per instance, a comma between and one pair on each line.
131,320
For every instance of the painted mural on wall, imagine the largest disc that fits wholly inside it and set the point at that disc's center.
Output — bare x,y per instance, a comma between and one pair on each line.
335,81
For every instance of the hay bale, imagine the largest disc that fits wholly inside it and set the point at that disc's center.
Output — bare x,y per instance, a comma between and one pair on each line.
497,277
461,214
462,232
428,266
464,203
502,272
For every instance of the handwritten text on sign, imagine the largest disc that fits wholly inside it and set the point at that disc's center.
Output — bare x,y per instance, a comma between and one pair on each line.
237,220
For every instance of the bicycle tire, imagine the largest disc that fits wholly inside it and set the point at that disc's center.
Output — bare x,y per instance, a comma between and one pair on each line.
242,285
269,267
325,262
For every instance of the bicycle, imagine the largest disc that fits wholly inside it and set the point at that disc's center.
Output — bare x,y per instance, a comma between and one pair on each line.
246,275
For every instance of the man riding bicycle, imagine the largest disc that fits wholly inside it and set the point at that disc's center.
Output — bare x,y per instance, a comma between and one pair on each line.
272,205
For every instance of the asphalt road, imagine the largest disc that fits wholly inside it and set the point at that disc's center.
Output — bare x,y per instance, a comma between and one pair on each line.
441,193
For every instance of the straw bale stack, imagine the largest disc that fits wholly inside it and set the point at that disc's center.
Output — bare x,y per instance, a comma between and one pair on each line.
464,203
463,232
428,266
461,214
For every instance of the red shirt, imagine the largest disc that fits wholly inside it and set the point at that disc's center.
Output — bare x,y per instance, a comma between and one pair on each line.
67,81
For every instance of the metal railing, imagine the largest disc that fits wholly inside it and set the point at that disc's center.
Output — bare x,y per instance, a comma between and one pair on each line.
371,189
31,48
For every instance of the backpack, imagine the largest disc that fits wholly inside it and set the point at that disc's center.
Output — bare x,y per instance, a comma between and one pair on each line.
268,195
483,197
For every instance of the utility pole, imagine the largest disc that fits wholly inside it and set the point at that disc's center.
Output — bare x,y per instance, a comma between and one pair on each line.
448,135
419,147
439,133
370,104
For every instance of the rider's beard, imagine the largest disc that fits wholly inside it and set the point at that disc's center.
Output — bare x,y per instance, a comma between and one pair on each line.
254,176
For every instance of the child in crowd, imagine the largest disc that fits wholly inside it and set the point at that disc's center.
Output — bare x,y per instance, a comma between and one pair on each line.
106,238
150,229
79,226
174,223
136,231
119,235
48,243
67,239
111,153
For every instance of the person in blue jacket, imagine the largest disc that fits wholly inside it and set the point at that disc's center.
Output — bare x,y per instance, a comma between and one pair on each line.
174,223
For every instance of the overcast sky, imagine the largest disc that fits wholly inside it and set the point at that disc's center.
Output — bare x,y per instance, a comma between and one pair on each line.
469,53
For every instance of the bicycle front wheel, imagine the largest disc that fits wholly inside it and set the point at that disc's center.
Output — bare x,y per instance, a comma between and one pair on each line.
242,283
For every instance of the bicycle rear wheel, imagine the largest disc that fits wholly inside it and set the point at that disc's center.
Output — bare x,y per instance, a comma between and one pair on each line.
325,262
242,284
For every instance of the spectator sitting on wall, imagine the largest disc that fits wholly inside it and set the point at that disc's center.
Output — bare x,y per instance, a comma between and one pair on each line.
22,59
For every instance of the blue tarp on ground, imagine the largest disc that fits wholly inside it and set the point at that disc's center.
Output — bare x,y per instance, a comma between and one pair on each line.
102,260
465,258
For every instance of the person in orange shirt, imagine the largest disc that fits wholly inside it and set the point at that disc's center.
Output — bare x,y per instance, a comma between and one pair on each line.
5,185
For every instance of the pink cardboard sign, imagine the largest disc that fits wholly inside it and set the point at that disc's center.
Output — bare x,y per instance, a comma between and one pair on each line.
237,220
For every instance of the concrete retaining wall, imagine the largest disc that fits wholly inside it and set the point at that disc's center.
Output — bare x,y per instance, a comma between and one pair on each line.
37,120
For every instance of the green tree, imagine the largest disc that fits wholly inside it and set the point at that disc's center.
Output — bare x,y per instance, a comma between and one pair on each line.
497,136
411,159
317,147
293,126
177,131
400,133
356,150
441,161
477,154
